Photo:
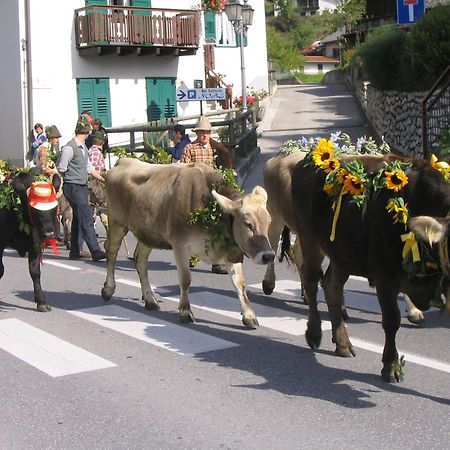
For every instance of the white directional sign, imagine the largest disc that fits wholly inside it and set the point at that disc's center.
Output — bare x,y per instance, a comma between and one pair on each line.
205,94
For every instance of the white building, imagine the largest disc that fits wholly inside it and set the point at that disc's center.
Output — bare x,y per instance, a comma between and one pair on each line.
311,7
124,64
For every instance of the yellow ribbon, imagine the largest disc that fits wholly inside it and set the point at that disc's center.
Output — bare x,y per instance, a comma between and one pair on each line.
337,209
439,165
410,246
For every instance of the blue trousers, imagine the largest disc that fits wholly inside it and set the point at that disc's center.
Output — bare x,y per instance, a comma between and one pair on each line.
82,226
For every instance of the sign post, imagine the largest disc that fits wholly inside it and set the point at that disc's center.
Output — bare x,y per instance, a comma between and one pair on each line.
409,11
200,95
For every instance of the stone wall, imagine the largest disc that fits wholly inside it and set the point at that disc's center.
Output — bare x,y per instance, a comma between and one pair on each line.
397,116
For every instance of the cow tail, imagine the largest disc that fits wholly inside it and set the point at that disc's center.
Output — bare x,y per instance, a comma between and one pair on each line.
286,251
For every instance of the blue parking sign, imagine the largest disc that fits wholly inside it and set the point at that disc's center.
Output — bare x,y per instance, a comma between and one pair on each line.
409,11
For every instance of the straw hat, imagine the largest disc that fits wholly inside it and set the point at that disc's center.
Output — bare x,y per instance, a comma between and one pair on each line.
202,124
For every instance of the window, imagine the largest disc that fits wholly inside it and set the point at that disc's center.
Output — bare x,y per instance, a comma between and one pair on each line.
220,31
93,95
320,67
161,98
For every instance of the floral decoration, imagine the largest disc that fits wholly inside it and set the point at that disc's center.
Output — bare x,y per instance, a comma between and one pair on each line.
214,5
350,178
237,101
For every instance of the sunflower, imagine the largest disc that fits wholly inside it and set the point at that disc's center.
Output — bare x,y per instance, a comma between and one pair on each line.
331,164
322,152
328,188
399,209
353,185
342,175
395,180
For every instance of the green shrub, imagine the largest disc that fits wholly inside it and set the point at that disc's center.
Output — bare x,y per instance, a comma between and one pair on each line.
430,44
393,59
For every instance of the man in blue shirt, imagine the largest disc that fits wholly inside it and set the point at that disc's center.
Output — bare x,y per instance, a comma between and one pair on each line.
181,139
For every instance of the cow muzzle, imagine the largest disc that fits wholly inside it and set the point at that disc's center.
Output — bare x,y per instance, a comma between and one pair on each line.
264,257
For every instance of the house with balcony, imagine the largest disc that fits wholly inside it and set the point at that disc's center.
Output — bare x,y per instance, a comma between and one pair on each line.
121,59
311,7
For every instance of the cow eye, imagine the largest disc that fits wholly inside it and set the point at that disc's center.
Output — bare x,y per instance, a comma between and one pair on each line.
248,225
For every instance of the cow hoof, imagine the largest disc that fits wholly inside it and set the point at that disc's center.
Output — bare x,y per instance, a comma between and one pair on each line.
345,316
345,353
417,319
268,287
107,293
186,317
151,306
391,377
251,324
43,307
313,339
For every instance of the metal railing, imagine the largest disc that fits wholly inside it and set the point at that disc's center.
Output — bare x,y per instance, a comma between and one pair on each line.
240,135
436,112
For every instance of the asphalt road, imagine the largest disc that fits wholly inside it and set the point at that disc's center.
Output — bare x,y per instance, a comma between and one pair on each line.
90,375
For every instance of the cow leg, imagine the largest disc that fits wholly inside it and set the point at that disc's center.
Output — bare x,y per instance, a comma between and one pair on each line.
311,272
34,266
185,314
275,229
2,267
413,314
387,297
141,254
333,287
248,314
115,237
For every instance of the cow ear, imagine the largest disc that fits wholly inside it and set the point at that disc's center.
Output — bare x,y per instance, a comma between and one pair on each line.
225,203
428,228
260,192
56,181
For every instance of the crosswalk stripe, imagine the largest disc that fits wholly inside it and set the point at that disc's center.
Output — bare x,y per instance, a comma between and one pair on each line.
177,338
268,317
46,352
355,300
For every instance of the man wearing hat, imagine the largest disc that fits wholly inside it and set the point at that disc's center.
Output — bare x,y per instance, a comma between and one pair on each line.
202,150
48,150
75,166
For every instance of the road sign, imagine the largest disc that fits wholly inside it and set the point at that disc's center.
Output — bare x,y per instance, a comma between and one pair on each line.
205,94
409,11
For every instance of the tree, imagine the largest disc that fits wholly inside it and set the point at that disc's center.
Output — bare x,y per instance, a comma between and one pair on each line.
285,56
347,13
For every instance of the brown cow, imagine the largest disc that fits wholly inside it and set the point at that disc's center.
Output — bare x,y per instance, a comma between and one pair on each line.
369,245
277,182
155,202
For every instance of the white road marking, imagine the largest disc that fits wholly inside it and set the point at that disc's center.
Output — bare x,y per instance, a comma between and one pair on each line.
355,300
268,317
409,357
46,352
51,262
180,339
137,284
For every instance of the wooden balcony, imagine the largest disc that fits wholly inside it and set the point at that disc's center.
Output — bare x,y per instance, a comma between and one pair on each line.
105,30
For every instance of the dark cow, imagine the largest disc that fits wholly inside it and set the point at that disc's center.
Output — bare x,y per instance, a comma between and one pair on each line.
370,245
31,226
155,202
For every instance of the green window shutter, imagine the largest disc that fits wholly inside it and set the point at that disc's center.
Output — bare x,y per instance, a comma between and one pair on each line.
210,26
93,95
161,98
238,40
142,4
96,2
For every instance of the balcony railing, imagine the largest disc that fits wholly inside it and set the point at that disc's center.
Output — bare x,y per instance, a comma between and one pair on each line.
125,30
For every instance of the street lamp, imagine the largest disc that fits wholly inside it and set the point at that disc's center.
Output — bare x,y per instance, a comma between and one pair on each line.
241,17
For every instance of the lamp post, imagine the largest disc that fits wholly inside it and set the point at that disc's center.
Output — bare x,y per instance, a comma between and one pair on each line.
241,17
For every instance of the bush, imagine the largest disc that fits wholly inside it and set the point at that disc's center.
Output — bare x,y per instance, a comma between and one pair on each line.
430,44
392,59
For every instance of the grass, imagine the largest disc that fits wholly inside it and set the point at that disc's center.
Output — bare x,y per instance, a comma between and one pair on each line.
309,77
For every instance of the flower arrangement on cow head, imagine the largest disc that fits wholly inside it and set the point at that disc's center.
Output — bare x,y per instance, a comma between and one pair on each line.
214,5
347,177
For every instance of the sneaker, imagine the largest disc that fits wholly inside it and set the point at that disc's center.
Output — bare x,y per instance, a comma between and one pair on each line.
219,268
98,255
79,255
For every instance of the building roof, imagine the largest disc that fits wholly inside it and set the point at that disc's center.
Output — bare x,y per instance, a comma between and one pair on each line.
321,59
